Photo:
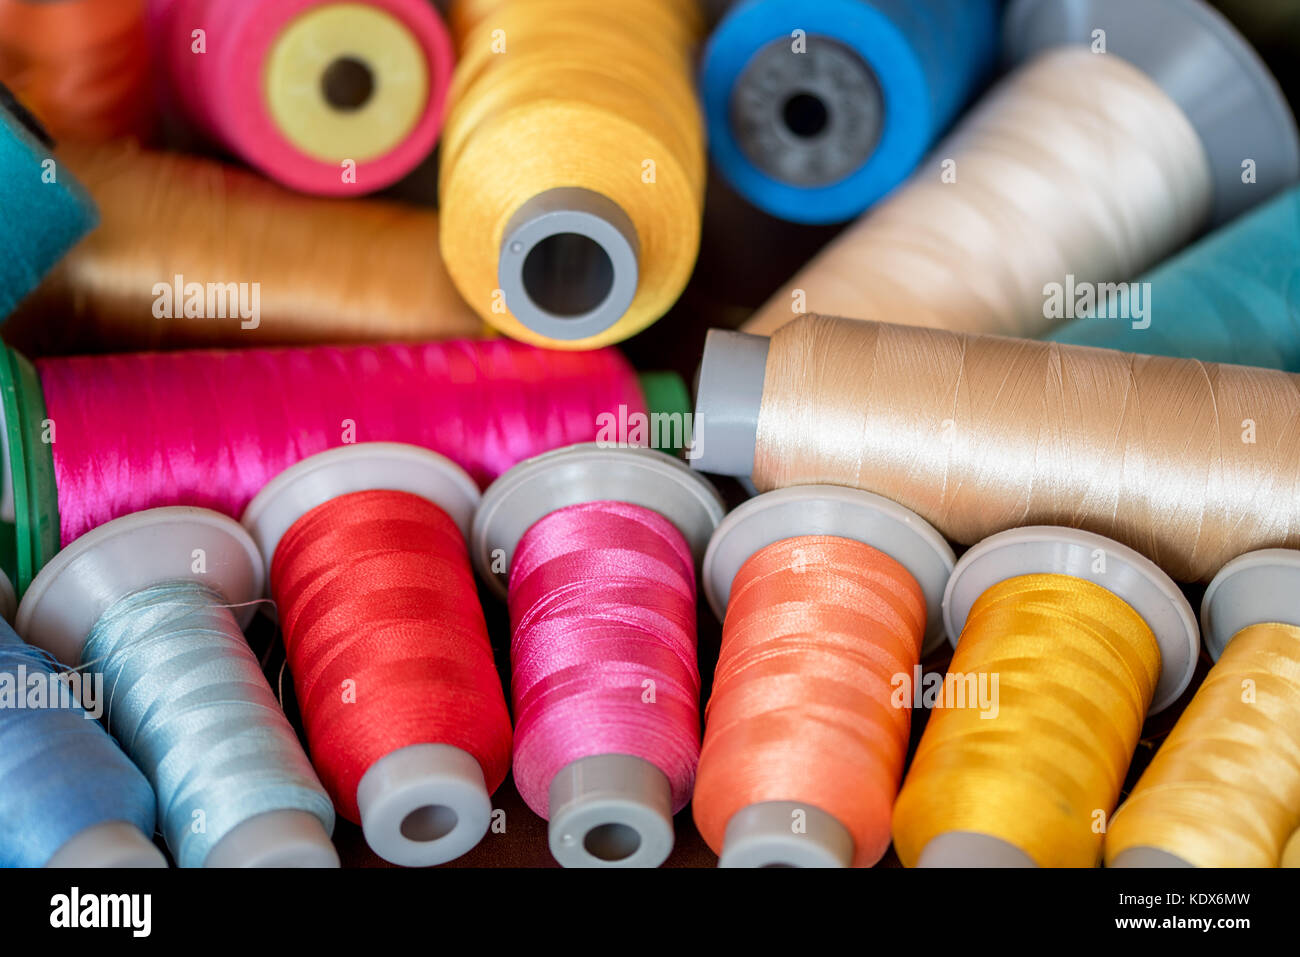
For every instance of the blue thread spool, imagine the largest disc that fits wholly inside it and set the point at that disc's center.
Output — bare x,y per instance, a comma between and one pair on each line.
69,797
156,600
1233,297
819,136
39,221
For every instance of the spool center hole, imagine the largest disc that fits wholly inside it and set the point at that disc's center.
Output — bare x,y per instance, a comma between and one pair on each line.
347,83
568,274
805,115
429,823
612,842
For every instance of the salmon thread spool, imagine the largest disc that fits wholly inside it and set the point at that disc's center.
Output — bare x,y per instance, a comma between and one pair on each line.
573,166
1085,638
405,717
827,595
1224,788
599,546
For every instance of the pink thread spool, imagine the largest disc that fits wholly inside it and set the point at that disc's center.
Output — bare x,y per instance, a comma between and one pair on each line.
325,97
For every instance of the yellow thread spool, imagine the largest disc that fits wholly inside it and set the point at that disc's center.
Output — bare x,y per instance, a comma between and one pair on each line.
1224,788
573,165
1078,638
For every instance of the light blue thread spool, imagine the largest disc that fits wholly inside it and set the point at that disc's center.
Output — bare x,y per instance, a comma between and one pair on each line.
818,135
68,795
1233,297
154,601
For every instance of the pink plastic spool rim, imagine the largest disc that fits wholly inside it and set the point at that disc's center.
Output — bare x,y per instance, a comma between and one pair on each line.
241,120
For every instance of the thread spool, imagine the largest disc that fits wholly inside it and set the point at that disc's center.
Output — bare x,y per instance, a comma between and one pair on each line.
1222,789
224,428
976,823
120,566
81,65
420,790
1189,463
325,97
1131,153
572,170
606,808
1232,297
817,131
44,218
324,271
82,803
799,521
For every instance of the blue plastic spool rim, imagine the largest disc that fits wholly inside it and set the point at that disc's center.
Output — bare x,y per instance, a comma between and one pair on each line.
908,124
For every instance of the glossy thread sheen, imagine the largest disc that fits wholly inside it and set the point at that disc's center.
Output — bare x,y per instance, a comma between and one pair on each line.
587,94
603,655
1189,463
386,639
187,699
1224,788
60,772
816,630
1076,163
1076,668
212,428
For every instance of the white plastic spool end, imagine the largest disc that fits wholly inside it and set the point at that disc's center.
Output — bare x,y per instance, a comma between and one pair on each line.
285,838
610,810
110,844
763,835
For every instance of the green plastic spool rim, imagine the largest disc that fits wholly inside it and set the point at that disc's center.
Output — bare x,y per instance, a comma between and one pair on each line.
665,392
33,538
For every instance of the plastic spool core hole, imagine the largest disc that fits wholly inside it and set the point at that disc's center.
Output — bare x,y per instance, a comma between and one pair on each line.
779,864
805,115
568,274
348,84
429,823
612,842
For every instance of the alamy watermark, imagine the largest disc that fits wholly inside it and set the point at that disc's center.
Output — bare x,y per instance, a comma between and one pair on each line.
1129,301
954,689
38,689
214,300
654,430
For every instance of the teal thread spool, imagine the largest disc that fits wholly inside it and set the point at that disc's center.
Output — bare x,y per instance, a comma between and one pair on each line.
44,212
1232,297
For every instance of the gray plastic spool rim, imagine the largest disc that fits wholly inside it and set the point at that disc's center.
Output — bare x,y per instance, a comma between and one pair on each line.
728,397
1256,588
110,844
1065,551
122,557
424,804
582,473
609,810
831,510
1202,63
760,835
854,111
570,211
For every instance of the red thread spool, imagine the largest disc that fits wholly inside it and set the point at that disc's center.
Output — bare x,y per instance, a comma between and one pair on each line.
405,716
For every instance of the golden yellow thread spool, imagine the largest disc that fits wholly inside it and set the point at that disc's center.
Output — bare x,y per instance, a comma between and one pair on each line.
573,165
1070,639
1224,788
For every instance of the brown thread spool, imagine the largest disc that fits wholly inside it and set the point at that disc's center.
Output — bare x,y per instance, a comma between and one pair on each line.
323,270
